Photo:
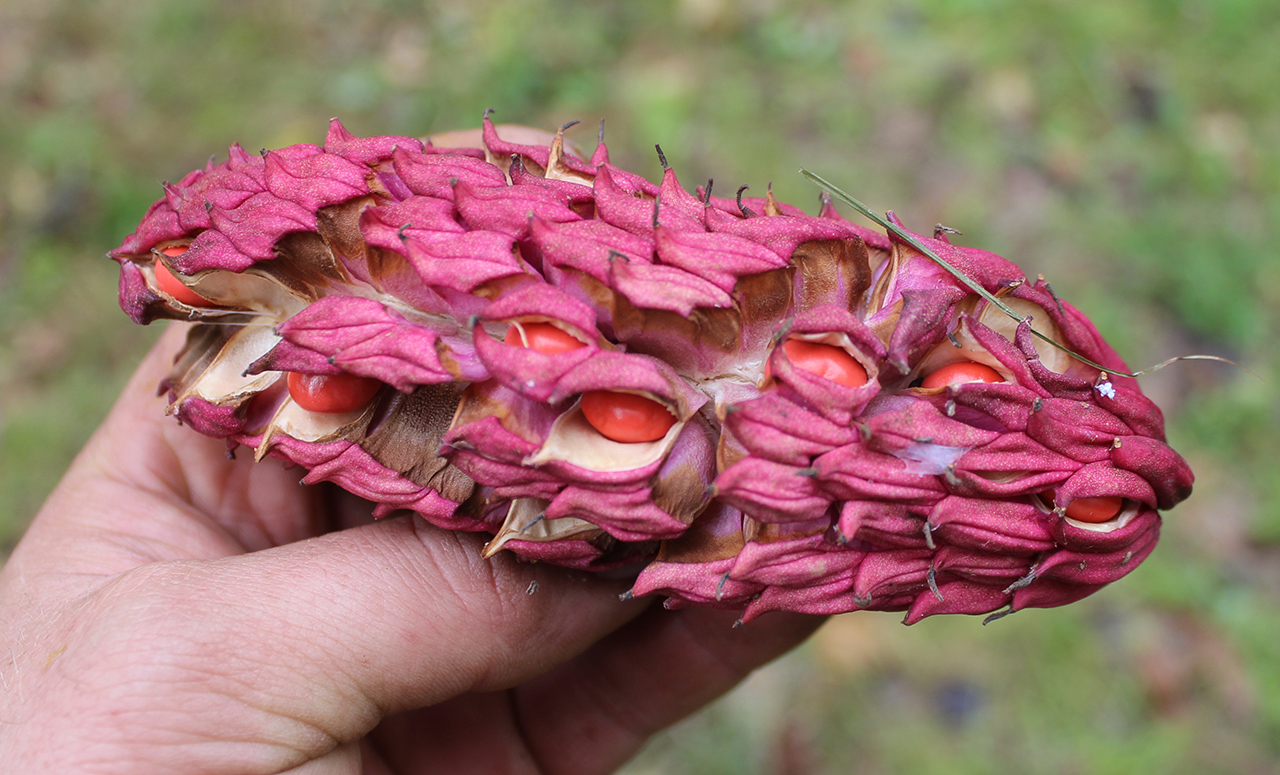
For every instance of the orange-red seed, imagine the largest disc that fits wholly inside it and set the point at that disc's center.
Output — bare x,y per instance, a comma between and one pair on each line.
626,417
331,393
959,373
545,338
171,285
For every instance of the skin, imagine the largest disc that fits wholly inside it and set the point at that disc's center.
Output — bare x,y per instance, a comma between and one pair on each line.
171,610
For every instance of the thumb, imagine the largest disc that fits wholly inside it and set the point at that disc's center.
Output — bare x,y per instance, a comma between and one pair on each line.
296,649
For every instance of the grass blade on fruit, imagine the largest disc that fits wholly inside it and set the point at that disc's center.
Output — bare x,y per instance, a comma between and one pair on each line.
915,242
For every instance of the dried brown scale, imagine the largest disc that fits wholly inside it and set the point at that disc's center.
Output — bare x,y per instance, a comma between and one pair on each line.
767,483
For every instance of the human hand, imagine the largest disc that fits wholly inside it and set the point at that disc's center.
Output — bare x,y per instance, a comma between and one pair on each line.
171,610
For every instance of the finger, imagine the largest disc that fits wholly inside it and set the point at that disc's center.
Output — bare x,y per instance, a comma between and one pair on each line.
472,733
303,647
346,759
141,447
593,714
299,647
145,489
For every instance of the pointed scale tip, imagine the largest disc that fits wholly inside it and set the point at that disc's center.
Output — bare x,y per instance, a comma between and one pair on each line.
998,615
932,579
493,547
662,157
747,212
942,233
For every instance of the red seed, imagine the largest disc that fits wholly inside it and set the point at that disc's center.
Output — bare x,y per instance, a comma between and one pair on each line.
544,338
826,361
331,393
626,417
959,373
171,285
1092,510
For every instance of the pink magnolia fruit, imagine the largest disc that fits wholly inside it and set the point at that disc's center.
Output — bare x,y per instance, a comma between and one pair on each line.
754,407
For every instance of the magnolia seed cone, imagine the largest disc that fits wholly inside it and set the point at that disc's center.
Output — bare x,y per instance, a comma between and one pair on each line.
600,371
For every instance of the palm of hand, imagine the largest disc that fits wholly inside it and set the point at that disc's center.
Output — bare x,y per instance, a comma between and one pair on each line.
171,610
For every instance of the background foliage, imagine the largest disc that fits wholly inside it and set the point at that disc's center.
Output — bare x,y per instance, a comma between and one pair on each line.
1127,151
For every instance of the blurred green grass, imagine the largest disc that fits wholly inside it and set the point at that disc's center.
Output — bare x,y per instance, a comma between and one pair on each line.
1127,151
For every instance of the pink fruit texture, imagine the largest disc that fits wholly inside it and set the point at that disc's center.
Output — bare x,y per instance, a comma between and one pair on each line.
400,268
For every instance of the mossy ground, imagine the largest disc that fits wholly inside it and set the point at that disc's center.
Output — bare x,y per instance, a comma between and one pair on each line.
1127,151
